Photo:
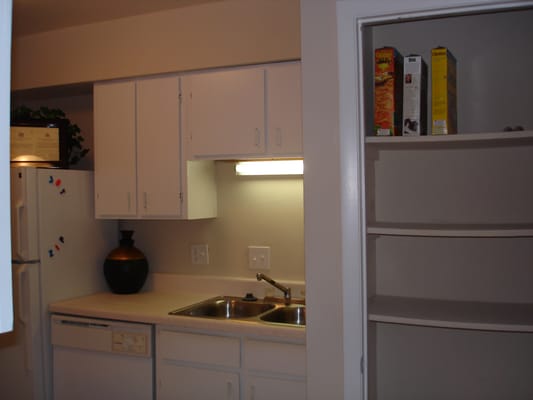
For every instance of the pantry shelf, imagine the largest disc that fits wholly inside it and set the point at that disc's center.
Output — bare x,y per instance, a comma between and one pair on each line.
451,230
505,317
458,140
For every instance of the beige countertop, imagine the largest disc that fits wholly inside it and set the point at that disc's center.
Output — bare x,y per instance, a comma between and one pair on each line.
153,306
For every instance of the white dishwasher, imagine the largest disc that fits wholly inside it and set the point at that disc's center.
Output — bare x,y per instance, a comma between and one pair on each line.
101,359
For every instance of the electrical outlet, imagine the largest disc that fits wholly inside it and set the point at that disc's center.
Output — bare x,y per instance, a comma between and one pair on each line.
200,254
259,257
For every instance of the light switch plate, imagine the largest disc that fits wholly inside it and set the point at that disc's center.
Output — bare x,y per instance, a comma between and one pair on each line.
259,257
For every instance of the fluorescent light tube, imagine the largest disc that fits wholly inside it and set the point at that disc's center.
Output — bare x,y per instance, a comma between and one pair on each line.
270,167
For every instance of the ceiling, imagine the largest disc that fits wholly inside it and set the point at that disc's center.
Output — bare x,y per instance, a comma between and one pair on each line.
34,16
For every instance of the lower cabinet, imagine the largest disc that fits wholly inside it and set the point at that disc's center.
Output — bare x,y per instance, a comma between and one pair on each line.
205,366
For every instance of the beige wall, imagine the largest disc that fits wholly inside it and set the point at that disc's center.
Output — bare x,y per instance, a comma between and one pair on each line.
261,211
232,32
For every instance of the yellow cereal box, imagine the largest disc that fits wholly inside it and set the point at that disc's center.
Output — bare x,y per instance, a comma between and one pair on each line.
388,75
444,92
414,96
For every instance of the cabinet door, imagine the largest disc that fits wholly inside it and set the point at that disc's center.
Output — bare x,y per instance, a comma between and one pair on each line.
284,109
175,382
158,147
277,370
224,113
263,388
114,149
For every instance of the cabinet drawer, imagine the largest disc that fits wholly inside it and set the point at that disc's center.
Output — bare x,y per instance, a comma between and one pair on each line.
264,388
199,348
285,358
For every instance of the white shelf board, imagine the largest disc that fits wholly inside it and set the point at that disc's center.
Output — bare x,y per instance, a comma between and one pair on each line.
451,230
506,317
457,140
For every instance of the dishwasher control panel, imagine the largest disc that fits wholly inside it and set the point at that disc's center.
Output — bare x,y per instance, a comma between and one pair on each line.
130,342
121,338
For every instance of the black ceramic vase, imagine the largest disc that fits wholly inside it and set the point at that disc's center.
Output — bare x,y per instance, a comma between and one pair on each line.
126,267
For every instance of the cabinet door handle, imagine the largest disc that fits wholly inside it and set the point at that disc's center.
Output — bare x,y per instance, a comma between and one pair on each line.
20,235
24,298
229,390
252,392
145,200
257,137
279,137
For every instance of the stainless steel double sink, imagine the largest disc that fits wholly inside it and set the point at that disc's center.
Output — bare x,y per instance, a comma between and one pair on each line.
269,310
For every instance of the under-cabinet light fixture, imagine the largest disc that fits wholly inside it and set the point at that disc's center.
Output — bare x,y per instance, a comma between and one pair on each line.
270,167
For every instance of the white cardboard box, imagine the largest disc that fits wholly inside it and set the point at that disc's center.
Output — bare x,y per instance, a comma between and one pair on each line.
414,96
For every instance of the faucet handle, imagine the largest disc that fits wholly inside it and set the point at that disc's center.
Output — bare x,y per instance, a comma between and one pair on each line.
249,297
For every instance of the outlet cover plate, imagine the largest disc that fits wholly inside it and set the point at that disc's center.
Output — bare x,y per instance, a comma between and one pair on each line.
200,254
259,257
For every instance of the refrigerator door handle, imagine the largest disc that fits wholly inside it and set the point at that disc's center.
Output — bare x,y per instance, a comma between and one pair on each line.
23,305
19,215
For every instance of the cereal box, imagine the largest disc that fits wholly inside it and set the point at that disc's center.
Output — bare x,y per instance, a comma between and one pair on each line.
414,96
388,74
444,92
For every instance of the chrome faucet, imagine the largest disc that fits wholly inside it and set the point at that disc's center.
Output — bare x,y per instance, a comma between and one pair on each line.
286,290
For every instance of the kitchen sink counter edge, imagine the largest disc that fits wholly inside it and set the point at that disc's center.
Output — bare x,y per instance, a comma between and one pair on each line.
153,307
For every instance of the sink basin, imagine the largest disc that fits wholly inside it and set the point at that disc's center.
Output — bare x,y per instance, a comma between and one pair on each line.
294,315
225,307
230,307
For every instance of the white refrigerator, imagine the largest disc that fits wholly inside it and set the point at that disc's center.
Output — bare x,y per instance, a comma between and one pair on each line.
58,251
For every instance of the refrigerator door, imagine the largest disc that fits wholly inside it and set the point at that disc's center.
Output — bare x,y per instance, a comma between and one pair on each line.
20,351
24,218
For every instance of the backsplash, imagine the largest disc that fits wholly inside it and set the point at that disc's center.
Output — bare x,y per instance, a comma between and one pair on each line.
216,285
264,211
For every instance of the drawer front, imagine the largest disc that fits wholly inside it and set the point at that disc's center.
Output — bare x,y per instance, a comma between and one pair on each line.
263,388
284,358
198,348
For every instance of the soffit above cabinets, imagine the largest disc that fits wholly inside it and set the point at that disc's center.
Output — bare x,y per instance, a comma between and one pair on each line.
34,16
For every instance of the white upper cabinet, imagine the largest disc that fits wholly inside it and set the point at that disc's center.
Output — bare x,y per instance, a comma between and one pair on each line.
139,171
158,144
114,150
284,109
245,112
224,112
